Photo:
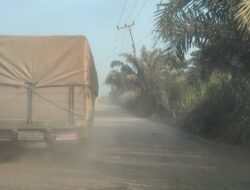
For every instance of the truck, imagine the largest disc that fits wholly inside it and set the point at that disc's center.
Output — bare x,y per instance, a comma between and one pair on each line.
48,87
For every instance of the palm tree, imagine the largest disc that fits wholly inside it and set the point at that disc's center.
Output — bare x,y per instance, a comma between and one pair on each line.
186,23
136,73
146,76
209,25
243,15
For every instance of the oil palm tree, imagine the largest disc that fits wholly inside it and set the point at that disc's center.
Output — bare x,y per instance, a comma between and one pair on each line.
209,25
136,73
243,15
146,76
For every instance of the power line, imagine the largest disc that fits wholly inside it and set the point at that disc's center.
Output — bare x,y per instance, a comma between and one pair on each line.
123,10
123,41
120,18
116,52
130,32
119,53
108,57
132,10
140,11
126,43
159,5
121,15
145,37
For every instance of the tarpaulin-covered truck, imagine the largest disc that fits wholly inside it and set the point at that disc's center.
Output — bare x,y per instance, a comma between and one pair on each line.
48,86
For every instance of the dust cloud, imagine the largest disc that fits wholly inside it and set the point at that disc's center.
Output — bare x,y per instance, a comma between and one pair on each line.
126,153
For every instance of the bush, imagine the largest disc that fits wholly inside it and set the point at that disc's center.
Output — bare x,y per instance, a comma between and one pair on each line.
223,112
127,99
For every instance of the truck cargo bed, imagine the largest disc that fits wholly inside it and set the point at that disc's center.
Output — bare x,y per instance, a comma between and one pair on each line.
48,87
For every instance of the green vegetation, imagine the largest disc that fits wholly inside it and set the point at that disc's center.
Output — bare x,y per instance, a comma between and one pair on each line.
243,15
209,94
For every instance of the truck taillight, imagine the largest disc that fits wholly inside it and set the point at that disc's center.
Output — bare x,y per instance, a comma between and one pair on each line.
73,135
6,135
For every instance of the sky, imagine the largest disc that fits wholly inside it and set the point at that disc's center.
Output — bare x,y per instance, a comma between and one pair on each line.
96,19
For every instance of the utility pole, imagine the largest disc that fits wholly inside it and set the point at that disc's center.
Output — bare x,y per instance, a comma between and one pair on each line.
130,32
159,5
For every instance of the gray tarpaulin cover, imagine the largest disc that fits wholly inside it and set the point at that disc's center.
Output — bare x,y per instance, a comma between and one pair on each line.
46,61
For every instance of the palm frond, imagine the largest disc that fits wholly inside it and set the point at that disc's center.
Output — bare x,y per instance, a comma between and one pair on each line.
116,63
183,24
243,15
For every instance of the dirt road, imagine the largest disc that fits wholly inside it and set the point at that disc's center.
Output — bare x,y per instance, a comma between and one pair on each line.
128,153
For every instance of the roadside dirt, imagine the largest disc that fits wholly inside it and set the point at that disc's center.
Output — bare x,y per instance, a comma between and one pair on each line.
127,153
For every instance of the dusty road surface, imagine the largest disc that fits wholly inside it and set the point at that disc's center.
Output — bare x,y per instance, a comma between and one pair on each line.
127,153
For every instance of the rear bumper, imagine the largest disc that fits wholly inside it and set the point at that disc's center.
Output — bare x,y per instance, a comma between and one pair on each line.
43,134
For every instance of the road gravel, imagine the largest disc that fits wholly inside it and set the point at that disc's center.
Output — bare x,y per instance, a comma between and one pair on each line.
127,153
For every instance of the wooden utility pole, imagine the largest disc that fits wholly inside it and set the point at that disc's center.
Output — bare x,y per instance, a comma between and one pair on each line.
160,5
130,32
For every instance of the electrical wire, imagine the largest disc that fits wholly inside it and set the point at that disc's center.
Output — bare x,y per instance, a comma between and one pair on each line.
123,10
140,11
145,37
121,15
122,42
132,10
113,55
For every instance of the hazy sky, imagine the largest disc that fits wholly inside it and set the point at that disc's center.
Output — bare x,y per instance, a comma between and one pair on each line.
96,19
